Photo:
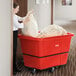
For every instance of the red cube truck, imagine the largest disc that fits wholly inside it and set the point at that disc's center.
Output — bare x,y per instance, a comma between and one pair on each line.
43,53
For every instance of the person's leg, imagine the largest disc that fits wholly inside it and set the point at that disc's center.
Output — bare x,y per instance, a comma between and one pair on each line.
15,34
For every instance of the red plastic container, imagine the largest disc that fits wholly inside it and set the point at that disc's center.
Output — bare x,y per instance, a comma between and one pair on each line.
42,53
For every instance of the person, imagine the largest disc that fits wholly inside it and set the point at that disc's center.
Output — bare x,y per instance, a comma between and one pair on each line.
16,26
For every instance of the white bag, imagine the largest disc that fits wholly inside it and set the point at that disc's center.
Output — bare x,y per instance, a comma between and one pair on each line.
31,28
52,30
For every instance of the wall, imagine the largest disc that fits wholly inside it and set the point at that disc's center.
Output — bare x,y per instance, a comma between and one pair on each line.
5,38
42,13
65,12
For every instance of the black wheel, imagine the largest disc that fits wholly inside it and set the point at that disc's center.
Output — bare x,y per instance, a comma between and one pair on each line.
26,68
33,71
52,69
57,67
62,65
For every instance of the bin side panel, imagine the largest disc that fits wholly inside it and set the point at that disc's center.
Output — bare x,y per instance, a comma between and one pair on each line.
46,46
66,44
30,47
64,58
41,63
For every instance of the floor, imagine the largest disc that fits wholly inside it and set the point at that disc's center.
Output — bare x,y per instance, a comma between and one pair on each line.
68,70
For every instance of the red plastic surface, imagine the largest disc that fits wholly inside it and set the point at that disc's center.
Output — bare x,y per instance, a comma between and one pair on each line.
45,46
44,63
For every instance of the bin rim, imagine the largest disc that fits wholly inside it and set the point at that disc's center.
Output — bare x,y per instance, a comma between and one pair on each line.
33,38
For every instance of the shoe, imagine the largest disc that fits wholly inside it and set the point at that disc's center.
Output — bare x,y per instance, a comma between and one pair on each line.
17,70
14,73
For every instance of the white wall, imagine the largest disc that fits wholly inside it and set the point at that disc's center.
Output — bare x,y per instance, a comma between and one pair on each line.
42,12
65,12
5,37
54,10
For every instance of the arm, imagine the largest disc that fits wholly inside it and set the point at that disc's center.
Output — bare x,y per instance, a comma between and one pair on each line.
17,24
21,18
28,14
24,17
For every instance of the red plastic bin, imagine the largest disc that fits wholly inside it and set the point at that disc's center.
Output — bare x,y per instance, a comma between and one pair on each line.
45,46
42,53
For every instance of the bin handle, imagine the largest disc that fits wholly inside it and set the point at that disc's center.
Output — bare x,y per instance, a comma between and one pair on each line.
57,45
71,34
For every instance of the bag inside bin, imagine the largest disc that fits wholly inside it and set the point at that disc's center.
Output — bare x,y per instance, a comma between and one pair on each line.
52,30
31,29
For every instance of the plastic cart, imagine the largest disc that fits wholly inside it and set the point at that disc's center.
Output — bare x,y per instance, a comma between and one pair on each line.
43,53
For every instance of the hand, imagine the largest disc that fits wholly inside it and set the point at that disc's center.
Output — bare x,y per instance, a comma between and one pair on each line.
26,20
30,12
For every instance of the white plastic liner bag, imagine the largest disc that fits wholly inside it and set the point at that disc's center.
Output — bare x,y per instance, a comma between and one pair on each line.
52,30
31,27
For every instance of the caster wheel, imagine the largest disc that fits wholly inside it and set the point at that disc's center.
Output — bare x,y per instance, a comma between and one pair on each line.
62,65
57,67
33,71
52,69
